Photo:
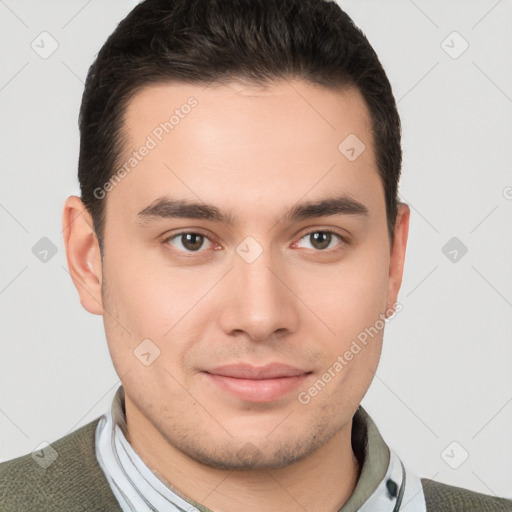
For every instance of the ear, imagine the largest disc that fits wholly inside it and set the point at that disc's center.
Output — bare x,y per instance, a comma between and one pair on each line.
396,264
83,254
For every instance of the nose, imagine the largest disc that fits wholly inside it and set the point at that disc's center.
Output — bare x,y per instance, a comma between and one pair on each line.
259,300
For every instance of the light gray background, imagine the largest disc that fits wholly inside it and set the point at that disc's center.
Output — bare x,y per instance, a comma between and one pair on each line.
445,373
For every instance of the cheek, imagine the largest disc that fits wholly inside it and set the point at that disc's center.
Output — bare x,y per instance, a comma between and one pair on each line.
351,296
155,302
148,297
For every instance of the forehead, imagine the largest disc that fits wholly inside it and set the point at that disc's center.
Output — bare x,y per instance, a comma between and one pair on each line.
260,109
253,147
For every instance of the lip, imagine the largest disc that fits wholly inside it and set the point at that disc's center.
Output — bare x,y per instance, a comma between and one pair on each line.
257,384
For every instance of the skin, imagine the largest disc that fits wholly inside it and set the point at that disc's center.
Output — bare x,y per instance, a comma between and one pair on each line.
255,152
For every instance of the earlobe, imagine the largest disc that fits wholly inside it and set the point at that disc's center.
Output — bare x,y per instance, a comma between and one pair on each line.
398,249
82,254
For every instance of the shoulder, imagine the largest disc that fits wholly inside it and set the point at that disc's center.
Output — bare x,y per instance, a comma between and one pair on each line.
64,476
446,498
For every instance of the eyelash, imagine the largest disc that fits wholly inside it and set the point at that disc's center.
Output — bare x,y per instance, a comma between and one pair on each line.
342,239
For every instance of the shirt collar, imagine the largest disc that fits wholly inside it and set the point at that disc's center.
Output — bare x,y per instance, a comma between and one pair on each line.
368,445
381,476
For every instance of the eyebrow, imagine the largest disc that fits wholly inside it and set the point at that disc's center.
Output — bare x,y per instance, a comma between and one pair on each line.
166,207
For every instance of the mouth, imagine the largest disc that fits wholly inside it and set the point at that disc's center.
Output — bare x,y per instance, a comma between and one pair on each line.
257,384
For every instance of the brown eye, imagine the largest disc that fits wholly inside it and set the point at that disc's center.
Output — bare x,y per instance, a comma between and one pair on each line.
322,239
187,242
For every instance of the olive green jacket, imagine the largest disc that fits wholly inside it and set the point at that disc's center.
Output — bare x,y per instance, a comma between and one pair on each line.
74,481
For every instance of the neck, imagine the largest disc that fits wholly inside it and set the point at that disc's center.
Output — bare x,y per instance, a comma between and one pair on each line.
323,481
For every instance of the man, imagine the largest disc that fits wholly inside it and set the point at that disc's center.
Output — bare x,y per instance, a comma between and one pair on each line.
238,229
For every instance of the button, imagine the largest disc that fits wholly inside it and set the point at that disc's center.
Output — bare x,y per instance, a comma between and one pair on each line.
392,489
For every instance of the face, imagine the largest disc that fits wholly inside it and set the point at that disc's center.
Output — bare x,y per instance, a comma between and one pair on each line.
247,300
